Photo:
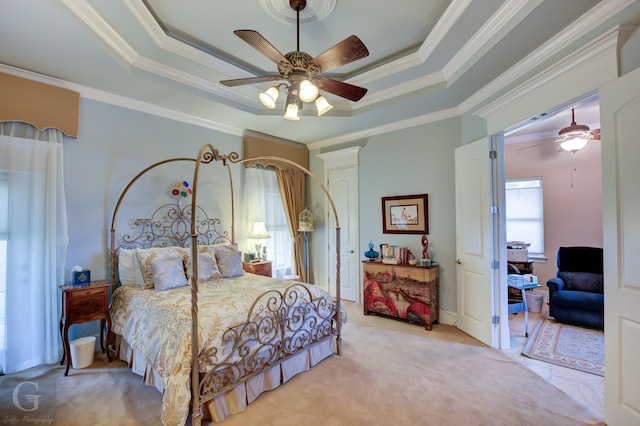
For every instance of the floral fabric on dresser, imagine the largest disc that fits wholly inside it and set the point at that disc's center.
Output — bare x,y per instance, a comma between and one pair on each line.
157,325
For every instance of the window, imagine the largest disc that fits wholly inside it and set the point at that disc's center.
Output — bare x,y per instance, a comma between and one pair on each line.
263,201
279,246
524,213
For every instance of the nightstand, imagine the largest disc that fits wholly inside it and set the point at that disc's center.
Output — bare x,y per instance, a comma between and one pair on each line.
261,267
82,304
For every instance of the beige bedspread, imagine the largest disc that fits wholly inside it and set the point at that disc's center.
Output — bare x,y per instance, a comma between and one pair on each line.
157,325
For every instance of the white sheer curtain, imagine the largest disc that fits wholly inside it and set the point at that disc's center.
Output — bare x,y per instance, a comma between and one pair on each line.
33,245
263,201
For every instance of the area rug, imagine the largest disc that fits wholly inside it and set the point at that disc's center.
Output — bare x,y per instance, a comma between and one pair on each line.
566,345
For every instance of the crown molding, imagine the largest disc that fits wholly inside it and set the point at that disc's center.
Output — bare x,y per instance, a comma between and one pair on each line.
386,128
585,55
487,36
450,16
122,101
483,39
176,47
600,13
101,28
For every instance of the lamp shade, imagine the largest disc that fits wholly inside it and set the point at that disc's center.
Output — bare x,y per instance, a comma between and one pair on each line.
308,91
259,231
323,105
269,97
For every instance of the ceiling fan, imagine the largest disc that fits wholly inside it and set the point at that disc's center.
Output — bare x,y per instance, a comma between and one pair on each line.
576,136
573,137
301,71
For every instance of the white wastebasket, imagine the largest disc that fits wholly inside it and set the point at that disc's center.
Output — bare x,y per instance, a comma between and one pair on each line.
535,299
82,350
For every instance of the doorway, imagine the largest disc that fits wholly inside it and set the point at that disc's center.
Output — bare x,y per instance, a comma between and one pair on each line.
572,198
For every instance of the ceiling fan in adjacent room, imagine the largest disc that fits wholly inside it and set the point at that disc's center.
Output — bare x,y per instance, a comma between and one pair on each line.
301,71
576,136
572,138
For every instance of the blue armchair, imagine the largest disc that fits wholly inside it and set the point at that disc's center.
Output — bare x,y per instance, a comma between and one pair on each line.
576,295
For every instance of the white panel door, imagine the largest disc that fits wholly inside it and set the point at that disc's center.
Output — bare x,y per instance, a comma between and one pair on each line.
475,292
343,187
620,117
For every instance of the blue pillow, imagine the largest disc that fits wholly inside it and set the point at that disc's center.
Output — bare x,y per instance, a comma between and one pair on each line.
168,273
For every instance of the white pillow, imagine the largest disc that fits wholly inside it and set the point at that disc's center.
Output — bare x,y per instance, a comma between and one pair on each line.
145,256
168,273
129,270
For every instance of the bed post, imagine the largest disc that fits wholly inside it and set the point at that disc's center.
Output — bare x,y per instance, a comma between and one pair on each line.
338,299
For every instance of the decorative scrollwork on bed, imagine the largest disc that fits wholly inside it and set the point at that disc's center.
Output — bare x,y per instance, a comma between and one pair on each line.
279,325
170,225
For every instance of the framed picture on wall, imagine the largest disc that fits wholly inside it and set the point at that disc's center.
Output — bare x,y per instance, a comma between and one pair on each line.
406,214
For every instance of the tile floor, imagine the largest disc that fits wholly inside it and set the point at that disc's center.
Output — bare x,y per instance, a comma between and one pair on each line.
586,388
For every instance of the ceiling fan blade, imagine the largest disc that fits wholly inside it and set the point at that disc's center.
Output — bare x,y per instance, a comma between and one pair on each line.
255,40
251,80
348,50
345,90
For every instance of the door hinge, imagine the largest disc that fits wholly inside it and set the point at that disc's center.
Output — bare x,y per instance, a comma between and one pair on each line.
494,209
495,320
493,154
495,264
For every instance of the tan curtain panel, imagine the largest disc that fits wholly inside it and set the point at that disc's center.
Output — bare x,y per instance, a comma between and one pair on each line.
38,104
260,145
292,190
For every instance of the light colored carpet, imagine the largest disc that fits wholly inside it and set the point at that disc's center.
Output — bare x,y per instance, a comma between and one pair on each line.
391,373
567,345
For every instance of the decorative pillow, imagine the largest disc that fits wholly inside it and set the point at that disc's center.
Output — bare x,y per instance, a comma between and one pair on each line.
207,267
168,273
129,268
229,260
145,256
582,281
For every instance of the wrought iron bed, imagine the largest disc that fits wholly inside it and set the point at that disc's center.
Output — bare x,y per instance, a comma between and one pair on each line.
280,324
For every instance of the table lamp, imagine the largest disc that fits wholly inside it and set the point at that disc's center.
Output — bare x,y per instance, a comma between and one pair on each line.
258,233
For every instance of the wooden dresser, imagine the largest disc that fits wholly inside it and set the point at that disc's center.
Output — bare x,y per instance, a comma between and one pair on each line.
82,304
404,292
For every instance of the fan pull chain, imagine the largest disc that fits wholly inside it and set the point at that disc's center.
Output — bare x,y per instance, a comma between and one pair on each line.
573,167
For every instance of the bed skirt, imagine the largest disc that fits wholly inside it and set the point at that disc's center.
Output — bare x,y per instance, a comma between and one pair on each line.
237,399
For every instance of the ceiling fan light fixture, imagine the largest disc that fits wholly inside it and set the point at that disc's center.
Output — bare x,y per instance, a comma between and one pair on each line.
292,112
269,97
574,144
308,91
293,106
323,105
574,137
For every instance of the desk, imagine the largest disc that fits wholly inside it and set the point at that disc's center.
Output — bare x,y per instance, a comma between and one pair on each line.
522,306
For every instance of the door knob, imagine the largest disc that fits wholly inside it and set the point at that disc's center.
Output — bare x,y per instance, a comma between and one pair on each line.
458,261
352,251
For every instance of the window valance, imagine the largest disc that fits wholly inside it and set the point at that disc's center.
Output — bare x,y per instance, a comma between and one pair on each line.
39,104
260,145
